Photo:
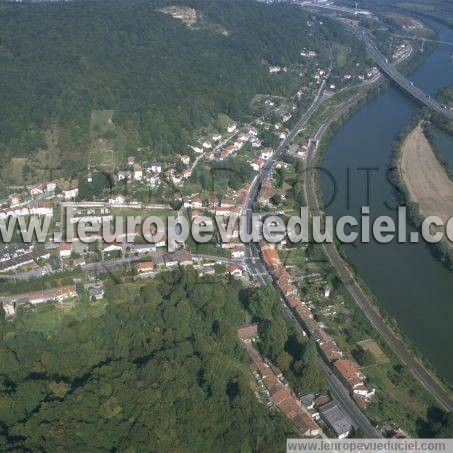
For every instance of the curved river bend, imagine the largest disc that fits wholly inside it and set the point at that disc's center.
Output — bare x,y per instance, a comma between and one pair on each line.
414,289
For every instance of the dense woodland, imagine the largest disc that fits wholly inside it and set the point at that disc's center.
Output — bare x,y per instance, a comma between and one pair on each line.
163,79
159,371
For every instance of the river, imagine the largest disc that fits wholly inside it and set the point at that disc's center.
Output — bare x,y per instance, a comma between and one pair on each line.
414,289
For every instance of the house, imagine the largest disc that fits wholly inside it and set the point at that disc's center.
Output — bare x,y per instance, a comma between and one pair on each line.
238,251
70,193
293,149
237,145
145,266
231,127
111,247
51,186
287,289
227,203
332,414
247,332
207,144
197,149
196,202
184,258
270,257
170,260
349,372
65,249
305,424
308,401
362,391
79,261
330,351
175,179
151,179
117,200
9,309
257,164
124,175
245,137
15,199
41,209
37,297
206,270
131,160
35,189
286,117
213,201
235,270
96,292
16,262
138,172
216,137
156,168
187,173
266,153
185,159
159,260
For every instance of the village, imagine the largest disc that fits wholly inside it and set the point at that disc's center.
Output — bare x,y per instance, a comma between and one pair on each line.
81,269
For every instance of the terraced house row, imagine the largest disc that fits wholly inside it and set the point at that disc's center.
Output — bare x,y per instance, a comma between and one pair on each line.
347,370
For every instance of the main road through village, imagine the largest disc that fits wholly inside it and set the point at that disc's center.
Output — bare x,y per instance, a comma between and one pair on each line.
259,271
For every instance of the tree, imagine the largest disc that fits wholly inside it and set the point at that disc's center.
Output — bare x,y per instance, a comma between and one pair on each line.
274,335
312,376
262,303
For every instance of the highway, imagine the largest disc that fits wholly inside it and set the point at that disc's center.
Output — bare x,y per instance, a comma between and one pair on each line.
355,290
398,78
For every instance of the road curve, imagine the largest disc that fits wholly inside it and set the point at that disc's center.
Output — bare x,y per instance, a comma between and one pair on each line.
398,347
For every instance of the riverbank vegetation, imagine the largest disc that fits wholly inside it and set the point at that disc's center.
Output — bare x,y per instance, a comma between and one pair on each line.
399,395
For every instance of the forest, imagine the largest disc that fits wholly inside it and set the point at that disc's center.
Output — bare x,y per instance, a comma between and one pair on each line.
163,79
161,369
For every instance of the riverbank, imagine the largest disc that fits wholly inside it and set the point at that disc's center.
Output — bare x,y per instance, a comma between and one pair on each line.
360,293
425,179
423,183
401,277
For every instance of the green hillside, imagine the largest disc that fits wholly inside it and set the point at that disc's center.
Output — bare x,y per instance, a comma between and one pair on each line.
160,77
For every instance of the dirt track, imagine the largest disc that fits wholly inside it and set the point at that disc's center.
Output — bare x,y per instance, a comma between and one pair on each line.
425,178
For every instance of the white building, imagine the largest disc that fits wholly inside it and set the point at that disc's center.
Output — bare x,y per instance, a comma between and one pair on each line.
117,200
231,127
138,172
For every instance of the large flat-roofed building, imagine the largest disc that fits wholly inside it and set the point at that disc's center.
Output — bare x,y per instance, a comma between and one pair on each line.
332,414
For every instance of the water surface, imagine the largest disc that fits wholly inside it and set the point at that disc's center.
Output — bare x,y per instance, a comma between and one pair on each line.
414,288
